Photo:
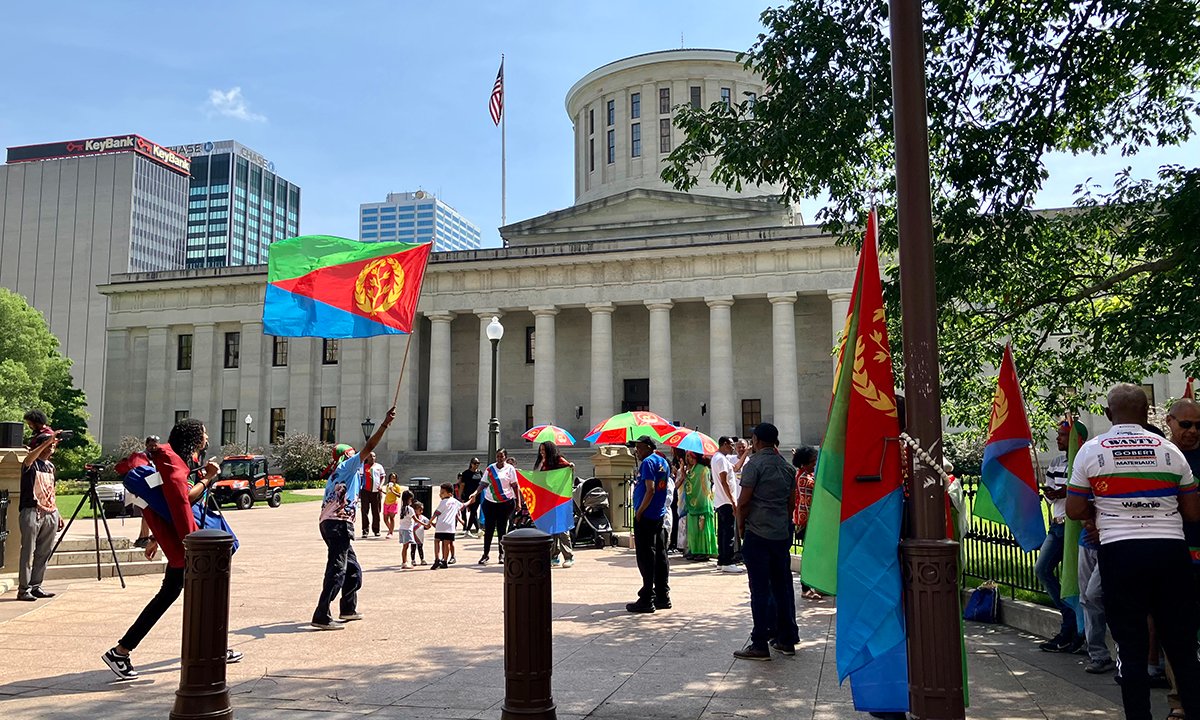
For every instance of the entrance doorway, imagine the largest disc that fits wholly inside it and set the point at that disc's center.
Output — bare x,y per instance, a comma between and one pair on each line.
637,395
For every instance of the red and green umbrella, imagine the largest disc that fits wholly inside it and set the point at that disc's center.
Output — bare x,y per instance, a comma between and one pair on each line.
553,433
691,441
629,426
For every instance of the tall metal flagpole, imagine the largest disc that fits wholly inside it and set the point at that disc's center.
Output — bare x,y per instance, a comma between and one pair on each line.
935,673
503,120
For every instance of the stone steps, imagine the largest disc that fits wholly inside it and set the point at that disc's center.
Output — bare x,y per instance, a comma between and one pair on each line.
107,570
76,559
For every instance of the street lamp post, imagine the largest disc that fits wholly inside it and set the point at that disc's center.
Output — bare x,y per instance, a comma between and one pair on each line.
368,428
495,331
248,421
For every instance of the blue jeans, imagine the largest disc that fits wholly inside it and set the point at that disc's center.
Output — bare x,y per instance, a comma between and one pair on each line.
772,596
1048,560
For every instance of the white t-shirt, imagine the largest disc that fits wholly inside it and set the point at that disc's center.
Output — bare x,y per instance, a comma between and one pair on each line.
1136,478
1056,477
446,511
508,485
419,528
406,518
721,464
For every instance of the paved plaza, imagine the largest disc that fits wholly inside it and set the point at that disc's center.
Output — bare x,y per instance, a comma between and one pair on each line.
430,646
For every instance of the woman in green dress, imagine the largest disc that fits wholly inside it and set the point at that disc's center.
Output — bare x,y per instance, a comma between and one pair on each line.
701,516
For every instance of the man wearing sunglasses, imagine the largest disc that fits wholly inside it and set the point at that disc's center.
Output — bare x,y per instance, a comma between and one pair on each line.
1184,421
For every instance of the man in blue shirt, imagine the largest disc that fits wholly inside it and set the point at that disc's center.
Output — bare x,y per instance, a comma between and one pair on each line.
651,495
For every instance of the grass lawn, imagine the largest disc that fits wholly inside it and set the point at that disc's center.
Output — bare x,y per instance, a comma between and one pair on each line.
67,503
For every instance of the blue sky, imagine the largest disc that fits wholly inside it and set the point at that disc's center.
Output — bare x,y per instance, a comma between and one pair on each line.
353,100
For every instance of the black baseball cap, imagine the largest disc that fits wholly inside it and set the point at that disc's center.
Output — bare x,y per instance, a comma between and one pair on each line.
766,433
645,440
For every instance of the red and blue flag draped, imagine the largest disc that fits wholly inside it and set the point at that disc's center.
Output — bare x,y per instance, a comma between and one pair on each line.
1007,471
547,495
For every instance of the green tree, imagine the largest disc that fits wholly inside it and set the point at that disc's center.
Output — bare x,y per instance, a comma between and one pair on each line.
33,374
302,457
1098,293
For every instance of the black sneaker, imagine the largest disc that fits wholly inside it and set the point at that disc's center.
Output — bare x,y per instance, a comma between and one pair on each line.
232,656
639,607
750,652
783,649
119,664
483,560
141,542
453,560
1054,644
437,565
1078,646
662,604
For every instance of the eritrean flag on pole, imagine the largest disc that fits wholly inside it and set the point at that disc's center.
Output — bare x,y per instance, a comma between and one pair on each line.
851,547
547,494
332,287
1007,474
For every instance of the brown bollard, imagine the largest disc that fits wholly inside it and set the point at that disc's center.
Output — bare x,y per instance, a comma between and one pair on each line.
528,638
202,692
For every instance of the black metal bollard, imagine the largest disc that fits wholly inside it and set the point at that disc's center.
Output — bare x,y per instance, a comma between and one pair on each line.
528,638
202,692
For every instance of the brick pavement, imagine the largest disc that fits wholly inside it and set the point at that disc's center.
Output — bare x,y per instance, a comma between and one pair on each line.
431,645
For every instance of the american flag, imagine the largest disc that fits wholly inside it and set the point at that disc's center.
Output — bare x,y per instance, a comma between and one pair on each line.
496,104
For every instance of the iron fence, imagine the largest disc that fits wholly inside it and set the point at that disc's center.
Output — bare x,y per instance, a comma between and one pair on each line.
990,552
627,499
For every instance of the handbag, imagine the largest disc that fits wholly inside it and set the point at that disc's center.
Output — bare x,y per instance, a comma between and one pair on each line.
209,518
984,604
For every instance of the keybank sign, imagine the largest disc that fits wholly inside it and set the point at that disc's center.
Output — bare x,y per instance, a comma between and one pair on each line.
102,146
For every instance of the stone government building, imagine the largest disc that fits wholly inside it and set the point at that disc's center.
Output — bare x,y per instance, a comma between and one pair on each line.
714,308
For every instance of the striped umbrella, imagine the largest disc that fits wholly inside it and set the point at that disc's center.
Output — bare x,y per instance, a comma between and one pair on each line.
691,441
542,433
629,426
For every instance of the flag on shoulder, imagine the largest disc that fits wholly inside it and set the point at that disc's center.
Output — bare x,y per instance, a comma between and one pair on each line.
333,287
851,547
1008,477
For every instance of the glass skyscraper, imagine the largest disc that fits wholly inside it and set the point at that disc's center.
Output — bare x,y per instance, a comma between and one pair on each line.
417,217
237,205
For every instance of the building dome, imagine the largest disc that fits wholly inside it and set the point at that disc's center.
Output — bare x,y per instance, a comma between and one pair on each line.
623,114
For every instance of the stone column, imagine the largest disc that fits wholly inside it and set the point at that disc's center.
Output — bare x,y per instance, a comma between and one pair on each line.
722,416
783,353
484,402
439,380
159,365
119,383
545,388
602,362
208,354
661,389
303,360
249,403
839,301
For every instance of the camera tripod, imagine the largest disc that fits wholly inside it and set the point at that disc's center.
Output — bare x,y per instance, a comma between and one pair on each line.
97,517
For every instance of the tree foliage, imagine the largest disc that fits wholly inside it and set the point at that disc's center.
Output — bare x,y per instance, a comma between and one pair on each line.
302,457
33,374
1094,294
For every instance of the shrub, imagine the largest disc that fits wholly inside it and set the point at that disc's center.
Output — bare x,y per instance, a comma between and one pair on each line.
302,457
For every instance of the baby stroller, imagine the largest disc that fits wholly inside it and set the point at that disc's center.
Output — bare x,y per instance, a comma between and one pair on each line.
591,514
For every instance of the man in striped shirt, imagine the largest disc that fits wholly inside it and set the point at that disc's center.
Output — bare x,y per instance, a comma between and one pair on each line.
1143,490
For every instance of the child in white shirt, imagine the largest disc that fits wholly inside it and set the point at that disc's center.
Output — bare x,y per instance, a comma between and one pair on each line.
404,529
443,526
420,525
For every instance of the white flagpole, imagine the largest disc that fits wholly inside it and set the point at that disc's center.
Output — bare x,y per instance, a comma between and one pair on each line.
503,120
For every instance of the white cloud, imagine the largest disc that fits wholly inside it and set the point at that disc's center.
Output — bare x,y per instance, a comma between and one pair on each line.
231,103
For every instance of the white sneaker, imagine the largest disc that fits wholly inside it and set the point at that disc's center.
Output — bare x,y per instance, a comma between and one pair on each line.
405,566
732,569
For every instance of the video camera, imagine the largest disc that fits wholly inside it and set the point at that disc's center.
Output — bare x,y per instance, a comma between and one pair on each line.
93,471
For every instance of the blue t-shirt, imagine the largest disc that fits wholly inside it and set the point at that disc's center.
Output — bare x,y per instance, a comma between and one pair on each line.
341,491
654,468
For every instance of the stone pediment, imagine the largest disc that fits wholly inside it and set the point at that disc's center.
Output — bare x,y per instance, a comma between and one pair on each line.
640,213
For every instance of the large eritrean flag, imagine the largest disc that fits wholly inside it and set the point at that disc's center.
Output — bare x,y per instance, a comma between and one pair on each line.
332,287
547,494
1007,472
853,537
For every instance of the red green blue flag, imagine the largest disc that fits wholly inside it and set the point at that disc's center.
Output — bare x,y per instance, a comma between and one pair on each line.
851,547
547,495
332,287
1007,471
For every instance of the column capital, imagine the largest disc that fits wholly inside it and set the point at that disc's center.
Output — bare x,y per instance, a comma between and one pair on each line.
843,294
719,301
543,310
601,307
488,313
659,304
781,297
440,316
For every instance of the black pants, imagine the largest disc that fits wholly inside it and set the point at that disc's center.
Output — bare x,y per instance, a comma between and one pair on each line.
369,501
726,531
343,574
1145,577
676,521
772,597
495,522
471,517
168,593
650,544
